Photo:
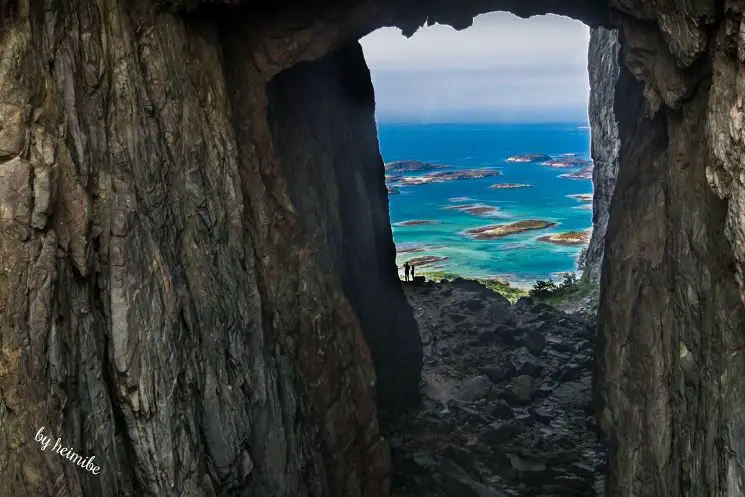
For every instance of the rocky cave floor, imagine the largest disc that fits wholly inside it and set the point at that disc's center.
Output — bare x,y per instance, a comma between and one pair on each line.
507,407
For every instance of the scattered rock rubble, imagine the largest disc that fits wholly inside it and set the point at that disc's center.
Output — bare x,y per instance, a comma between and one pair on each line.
507,408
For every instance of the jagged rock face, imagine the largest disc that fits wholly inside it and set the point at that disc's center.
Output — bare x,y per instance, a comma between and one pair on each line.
161,308
169,305
322,115
603,71
669,380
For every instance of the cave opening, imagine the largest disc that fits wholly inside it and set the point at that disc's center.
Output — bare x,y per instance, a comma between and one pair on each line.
499,374
480,133
197,269
651,304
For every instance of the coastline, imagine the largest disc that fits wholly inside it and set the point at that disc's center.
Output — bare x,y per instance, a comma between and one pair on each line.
452,208
512,283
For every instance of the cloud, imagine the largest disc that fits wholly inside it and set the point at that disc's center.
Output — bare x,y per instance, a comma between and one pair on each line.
501,63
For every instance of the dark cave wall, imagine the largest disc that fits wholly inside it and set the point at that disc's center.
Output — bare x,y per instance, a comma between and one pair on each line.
669,380
160,308
322,117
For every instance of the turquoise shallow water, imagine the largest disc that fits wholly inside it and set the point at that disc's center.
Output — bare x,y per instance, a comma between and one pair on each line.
519,258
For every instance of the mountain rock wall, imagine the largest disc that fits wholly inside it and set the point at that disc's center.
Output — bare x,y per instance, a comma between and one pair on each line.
322,115
603,71
670,376
161,307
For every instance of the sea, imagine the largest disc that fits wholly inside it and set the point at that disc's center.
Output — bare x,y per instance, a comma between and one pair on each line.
520,259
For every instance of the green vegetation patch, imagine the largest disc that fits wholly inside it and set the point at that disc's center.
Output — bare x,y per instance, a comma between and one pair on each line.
510,293
571,289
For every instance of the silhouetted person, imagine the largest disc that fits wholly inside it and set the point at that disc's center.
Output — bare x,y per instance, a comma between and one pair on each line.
406,270
412,272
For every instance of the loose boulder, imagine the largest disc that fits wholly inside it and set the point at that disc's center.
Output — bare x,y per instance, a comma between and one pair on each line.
475,389
526,363
521,390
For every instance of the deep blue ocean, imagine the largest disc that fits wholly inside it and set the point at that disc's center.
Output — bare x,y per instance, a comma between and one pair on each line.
520,258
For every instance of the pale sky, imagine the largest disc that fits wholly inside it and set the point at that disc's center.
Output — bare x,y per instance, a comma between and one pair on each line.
503,68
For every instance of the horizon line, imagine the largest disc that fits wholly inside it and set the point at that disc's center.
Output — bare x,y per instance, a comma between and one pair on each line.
479,121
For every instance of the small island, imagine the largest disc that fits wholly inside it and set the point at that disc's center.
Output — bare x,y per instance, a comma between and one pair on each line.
568,238
408,248
390,183
475,209
527,158
426,260
415,222
585,173
411,166
567,162
582,197
509,186
501,230
444,176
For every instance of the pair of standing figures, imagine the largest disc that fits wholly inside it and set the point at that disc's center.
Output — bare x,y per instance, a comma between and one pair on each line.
408,269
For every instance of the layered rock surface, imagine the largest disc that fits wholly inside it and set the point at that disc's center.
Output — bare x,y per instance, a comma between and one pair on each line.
669,376
161,306
603,67
333,169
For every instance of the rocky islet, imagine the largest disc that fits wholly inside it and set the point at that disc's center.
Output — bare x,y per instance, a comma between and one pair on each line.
509,186
561,162
570,238
445,176
528,158
426,260
481,210
416,222
582,197
412,166
502,230
584,173
567,162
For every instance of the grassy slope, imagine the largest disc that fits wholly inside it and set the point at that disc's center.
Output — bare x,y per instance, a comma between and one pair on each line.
568,297
565,298
510,293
